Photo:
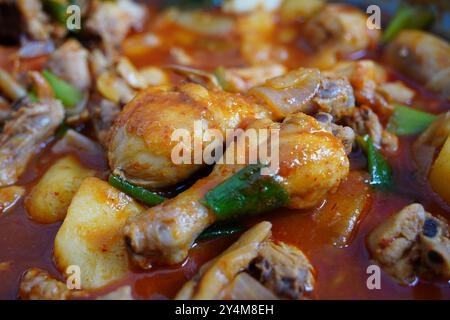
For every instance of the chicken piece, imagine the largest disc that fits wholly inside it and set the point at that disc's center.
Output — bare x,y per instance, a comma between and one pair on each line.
309,91
70,62
166,232
365,76
9,197
140,147
111,21
345,134
24,134
312,163
217,273
340,28
335,96
412,243
423,57
365,121
434,246
282,269
285,270
242,79
37,284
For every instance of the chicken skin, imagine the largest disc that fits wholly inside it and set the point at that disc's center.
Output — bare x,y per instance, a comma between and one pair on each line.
423,57
312,162
270,270
341,28
140,145
24,134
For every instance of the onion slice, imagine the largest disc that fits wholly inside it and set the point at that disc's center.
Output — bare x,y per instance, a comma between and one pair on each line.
290,92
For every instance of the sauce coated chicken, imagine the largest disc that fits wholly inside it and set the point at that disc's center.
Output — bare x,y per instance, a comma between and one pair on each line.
312,163
343,131
141,140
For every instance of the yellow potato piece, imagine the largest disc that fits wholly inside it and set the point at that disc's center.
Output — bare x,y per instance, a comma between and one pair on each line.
91,235
50,198
440,172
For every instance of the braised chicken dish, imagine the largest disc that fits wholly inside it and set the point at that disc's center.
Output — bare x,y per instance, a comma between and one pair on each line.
235,150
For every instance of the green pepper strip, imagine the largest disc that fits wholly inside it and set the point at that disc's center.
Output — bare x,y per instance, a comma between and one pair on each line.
32,96
246,193
408,17
408,121
220,75
379,169
218,231
138,193
69,95
62,130
56,9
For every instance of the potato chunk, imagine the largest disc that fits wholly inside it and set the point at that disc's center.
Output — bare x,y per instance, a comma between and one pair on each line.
440,172
91,235
339,218
50,198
